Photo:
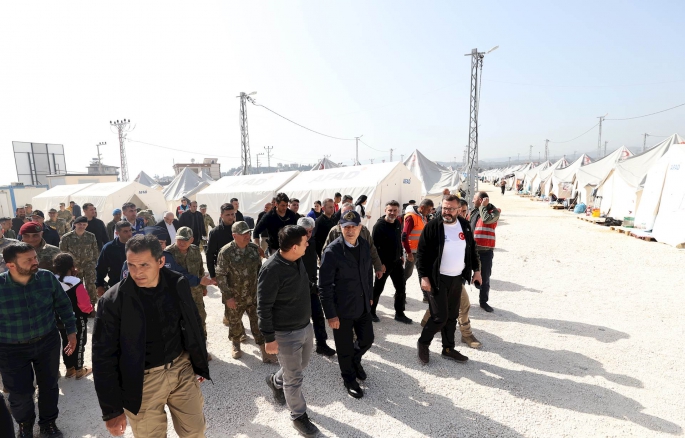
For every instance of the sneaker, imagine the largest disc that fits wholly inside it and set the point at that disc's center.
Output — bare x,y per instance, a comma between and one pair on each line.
235,352
424,353
83,372
452,354
359,370
403,319
50,430
324,350
266,357
486,307
71,372
354,390
375,318
305,427
277,392
25,430
471,341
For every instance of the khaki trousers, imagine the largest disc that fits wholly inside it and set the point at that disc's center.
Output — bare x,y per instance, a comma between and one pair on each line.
175,387
464,307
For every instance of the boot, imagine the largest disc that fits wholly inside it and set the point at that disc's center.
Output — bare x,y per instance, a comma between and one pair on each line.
471,341
50,430
83,372
266,357
71,372
236,353
25,430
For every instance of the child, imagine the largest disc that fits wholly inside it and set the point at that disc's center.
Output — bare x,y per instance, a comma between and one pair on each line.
65,271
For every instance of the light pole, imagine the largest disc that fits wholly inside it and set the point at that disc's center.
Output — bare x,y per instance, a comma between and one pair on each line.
123,127
356,150
261,153
245,160
102,143
599,140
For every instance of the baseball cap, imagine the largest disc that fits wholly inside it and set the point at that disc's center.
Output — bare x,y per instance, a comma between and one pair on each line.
350,218
240,227
116,211
38,213
81,220
203,205
184,233
61,203
52,210
30,227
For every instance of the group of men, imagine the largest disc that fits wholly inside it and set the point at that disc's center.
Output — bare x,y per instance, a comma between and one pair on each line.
320,270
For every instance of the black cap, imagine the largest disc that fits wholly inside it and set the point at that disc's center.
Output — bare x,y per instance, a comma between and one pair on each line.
81,220
38,213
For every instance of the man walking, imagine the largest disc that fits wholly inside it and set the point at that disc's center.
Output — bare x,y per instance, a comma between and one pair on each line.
95,225
283,307
236,206
148,347
274,221
64,214
50,235
415,220
32,234
345,285
237,269
484,218
56,223
83,246
111,225
4,242
170,224
29,339
323,225
387,237
75,209
112,258
193,219
446,257
207,219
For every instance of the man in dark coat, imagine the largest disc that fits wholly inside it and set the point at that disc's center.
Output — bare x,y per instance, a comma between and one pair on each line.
95,225
171,225
194,220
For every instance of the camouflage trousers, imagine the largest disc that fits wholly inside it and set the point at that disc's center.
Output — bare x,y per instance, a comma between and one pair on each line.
231,334
89,283
199,300
235,322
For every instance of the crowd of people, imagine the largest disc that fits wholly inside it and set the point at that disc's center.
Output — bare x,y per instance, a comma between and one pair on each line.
144,283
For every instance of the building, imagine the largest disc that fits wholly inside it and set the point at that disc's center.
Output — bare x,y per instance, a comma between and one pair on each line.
208,165
15,195
97,173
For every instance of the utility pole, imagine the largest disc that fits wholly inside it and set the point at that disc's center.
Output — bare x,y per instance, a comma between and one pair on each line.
102,143
268,150
518,157
245,160
538,157
391,154
546,149
574,155
644,143
356,150
509,161
261,153
530,153
402,157
599,140
123,127
605,148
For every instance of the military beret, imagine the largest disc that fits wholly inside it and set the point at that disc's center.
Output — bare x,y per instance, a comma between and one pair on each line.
30,227
81,220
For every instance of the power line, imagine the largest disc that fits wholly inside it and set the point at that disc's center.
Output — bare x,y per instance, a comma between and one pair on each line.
180,150
585,86
647,115
377,150
302,126
575,138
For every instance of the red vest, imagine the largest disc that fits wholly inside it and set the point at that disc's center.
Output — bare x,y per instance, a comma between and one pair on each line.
484,234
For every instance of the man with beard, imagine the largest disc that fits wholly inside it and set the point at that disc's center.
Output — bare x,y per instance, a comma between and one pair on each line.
32,233
484,218
274,221
19,220
95,225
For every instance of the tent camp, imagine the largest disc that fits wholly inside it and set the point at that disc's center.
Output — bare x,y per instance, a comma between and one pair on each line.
108,196
51,198
379,182
542,179
530,174
587,177
618,191
145,179
325,163
432,175
187,184
206,177
252,191
561,183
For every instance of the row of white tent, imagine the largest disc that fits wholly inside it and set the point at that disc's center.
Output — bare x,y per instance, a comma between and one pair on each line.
649,187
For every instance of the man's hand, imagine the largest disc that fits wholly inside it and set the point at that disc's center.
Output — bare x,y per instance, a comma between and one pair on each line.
371,301
485,202
200,378
101,291
410,257
204,291
117,426
271,347
71,344
334,323
231,303
477,277
206,281
261,253
379,274
425,284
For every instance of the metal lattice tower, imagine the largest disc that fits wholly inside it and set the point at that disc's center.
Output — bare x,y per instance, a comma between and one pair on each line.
123,127
530,153
546,149
599,139
245,158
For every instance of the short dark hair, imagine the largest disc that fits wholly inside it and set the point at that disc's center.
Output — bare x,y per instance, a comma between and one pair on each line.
138,244
121,225
448,198
317,202
86,205
295,200
227,207
11,252
482,195
19,208
337,195
393,203
426,203
347,198
5,219
289,236
463,202
327,200
234,199
282,197
128,205
61,264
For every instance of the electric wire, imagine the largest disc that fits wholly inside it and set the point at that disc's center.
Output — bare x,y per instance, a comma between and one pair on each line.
651,114
575,138
180,150
585,86
301,126
370,147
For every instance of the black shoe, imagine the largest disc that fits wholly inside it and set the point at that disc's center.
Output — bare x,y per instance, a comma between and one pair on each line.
25,430
324,349
424,353
451,353
403,319
305,427
375,318
359,370
50,430
354,390
486,307
278,393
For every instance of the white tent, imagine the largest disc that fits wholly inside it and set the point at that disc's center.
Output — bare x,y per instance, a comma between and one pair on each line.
51,198
562,179
206,177
325,163
618,191
252,191
662,203
108,196
145,179
587,177
428,172
532,173
542,178
379,182
187,184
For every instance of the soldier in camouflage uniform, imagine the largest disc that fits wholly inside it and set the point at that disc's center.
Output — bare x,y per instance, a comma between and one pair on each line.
64,214
83,246
32,233
237,268
4,242
56,223
209,222
148,216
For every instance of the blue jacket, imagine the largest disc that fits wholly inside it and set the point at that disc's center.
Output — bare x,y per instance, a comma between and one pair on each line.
110,261
169,263
345,288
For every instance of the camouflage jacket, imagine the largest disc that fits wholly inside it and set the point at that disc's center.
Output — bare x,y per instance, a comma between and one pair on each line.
59,225
65,216
192,261
209,223
4,241
236,272
83,248
148,216
45,255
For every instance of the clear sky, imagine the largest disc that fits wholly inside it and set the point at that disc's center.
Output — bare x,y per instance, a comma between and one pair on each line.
394,71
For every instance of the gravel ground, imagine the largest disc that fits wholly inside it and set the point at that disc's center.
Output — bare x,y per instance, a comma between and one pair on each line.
581,343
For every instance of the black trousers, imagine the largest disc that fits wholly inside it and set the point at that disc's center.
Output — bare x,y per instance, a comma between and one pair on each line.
318,320
444,308
6,426
348,355
18,362
76,359
396,273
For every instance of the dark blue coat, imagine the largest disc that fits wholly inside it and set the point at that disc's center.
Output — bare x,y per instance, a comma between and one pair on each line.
345,288
51,236
112,258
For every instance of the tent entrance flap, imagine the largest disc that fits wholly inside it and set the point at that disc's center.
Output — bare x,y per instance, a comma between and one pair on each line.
139,202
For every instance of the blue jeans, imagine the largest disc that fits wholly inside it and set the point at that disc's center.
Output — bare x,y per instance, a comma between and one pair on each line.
485,272
17,365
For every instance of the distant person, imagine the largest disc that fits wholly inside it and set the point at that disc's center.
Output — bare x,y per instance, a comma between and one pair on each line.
19,219
65,214
111,225
236,205
337,199
83,246
294,206
360,207
503,186
209,222
32,233
130,213
28,210
315,212
75,209
56,223
484,218
95,225
183,207
415,220
50,235
345,199
193,219
112,258
323,225
4,242
6,224
274,221
264,241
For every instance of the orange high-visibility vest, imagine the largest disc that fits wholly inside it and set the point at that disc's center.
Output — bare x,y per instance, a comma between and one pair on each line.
484,234
415,233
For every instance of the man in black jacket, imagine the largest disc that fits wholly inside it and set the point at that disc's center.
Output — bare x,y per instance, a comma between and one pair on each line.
50,235
345,286
323,225
112,258
152,359
345,200
236,205
387,237
171,225
194,220
274,221
95,225
446,255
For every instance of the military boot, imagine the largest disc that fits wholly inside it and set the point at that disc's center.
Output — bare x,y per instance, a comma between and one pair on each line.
467,335
71,372
236,353
266,357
